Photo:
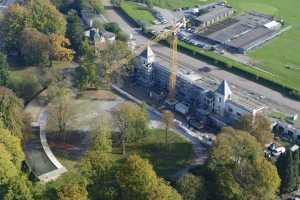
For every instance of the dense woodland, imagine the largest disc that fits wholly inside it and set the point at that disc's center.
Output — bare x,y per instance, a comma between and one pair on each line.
40,33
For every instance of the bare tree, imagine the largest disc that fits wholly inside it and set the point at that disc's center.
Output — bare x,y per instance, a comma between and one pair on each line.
168,120
60,110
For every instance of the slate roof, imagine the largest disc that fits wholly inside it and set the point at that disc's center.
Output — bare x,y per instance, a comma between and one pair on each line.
224,89
148,54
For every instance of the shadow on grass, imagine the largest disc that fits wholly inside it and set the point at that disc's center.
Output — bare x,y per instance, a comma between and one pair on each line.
71,145
166,159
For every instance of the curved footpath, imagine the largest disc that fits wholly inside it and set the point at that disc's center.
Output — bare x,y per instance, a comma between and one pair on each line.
40,117
52,175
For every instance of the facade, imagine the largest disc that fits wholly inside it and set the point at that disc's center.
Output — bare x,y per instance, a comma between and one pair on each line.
287,130
193,95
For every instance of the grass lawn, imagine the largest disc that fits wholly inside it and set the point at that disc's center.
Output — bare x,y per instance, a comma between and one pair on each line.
165,160
173,4
281,55
137,12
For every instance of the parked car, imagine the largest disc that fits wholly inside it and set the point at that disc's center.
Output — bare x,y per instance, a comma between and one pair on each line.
278,151
156,22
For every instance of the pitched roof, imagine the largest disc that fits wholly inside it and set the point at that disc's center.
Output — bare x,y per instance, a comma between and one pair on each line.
224,89
148,54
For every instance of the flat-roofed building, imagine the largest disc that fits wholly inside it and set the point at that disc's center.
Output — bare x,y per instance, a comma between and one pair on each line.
212,15
243,32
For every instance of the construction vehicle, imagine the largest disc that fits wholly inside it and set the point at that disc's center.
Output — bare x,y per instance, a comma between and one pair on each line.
171,36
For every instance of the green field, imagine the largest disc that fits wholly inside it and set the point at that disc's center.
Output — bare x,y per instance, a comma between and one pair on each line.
166,161
281,55
137,12
173,4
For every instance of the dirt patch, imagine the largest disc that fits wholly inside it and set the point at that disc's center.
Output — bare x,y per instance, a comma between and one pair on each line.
73,146
102,95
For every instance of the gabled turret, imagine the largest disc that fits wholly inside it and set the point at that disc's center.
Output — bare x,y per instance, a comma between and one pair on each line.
148,55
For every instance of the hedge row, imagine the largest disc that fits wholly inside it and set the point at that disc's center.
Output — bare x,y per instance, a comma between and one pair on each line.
226,63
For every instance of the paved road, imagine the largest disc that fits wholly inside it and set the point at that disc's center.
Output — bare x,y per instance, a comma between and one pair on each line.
273,98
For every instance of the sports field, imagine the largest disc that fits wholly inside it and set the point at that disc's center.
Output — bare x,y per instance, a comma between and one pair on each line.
280,56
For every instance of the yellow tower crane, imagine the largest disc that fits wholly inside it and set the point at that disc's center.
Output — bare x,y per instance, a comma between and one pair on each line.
171,35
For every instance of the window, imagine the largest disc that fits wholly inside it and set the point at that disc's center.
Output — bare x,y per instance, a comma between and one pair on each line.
230,110
290,133
238,114
220,99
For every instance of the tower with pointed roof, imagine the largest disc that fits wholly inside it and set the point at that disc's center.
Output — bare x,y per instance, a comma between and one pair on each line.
148,56
222,94
147,59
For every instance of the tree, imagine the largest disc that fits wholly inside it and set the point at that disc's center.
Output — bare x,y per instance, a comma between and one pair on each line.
86,50
149,4
18,188
88,76
260,128
75,31
96,5
141,122
110,61
45,17
73,191
240,171
59,50
191,187
102,141
167,119
35,47
138,181
288,171
122,36
4,72
131,121
117,3
13,185
14,21
60,110
13,146
11,112
97,165
112,27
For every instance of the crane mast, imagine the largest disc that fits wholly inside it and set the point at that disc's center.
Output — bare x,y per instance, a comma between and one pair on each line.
172,35
173,65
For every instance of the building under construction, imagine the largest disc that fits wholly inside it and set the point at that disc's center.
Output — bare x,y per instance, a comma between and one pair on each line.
195,95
